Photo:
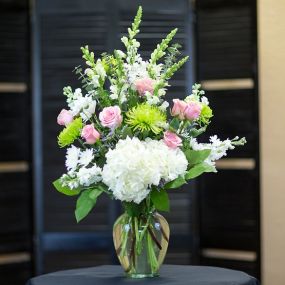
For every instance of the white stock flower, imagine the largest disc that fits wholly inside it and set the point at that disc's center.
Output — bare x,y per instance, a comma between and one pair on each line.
133,166
86,157
88,176
164,106
72,156
218,148
85,106
114,92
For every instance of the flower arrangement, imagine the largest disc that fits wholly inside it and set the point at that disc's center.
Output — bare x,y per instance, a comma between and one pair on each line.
123,138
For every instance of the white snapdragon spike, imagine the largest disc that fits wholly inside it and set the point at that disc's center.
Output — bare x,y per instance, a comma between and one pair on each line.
100,70
151,100
156,69
161,92
218,148
133,166
72,157
86,157
120,53
114,92
164,106
88,176
85,106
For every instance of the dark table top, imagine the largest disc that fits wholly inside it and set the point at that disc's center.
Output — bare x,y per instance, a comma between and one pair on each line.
169,275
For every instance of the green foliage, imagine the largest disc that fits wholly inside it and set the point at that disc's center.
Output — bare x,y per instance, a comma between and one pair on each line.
88,56
171,55
70,133
134,209
174,124
64,189
171,70
160,199
196,156
199,169
159,52
196,132
86,202
175,183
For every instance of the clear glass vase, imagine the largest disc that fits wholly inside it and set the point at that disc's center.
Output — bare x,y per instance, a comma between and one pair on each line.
141,243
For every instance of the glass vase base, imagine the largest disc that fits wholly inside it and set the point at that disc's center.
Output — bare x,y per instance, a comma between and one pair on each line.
141,275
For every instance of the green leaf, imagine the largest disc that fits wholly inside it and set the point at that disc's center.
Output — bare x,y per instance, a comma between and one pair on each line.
64,189
160,199
175,183
198,169
86,202
195,133
174,124
196,156
133,209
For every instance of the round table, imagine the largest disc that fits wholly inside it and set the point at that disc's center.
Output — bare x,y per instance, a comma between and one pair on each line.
169,275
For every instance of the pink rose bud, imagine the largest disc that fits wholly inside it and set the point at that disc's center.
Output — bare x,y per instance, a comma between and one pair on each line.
90,134
145,84
178,108
64,118
192,111
111,117
172,140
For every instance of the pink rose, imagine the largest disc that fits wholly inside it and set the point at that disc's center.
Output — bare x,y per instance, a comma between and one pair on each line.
192,111
111,117
178,108
172,140
90,134
64,118
145,84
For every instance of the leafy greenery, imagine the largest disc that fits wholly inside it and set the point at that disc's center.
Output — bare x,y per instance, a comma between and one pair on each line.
160,199
86,202
64,189
175,183
171,70
199,169
196,156
171,55
70,133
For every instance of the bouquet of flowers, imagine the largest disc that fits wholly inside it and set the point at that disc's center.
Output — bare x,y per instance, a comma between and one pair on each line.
125,140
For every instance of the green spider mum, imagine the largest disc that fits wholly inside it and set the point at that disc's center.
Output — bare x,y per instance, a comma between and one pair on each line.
146,118
70,133
206,115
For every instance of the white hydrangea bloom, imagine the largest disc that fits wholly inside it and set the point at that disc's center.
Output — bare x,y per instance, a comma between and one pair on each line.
88,176
133,166
86,157
218,148
72,157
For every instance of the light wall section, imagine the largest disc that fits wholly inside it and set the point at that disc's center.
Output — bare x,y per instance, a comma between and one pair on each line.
271,46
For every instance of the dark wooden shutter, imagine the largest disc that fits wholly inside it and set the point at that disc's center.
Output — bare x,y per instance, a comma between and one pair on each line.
229,201
15,182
